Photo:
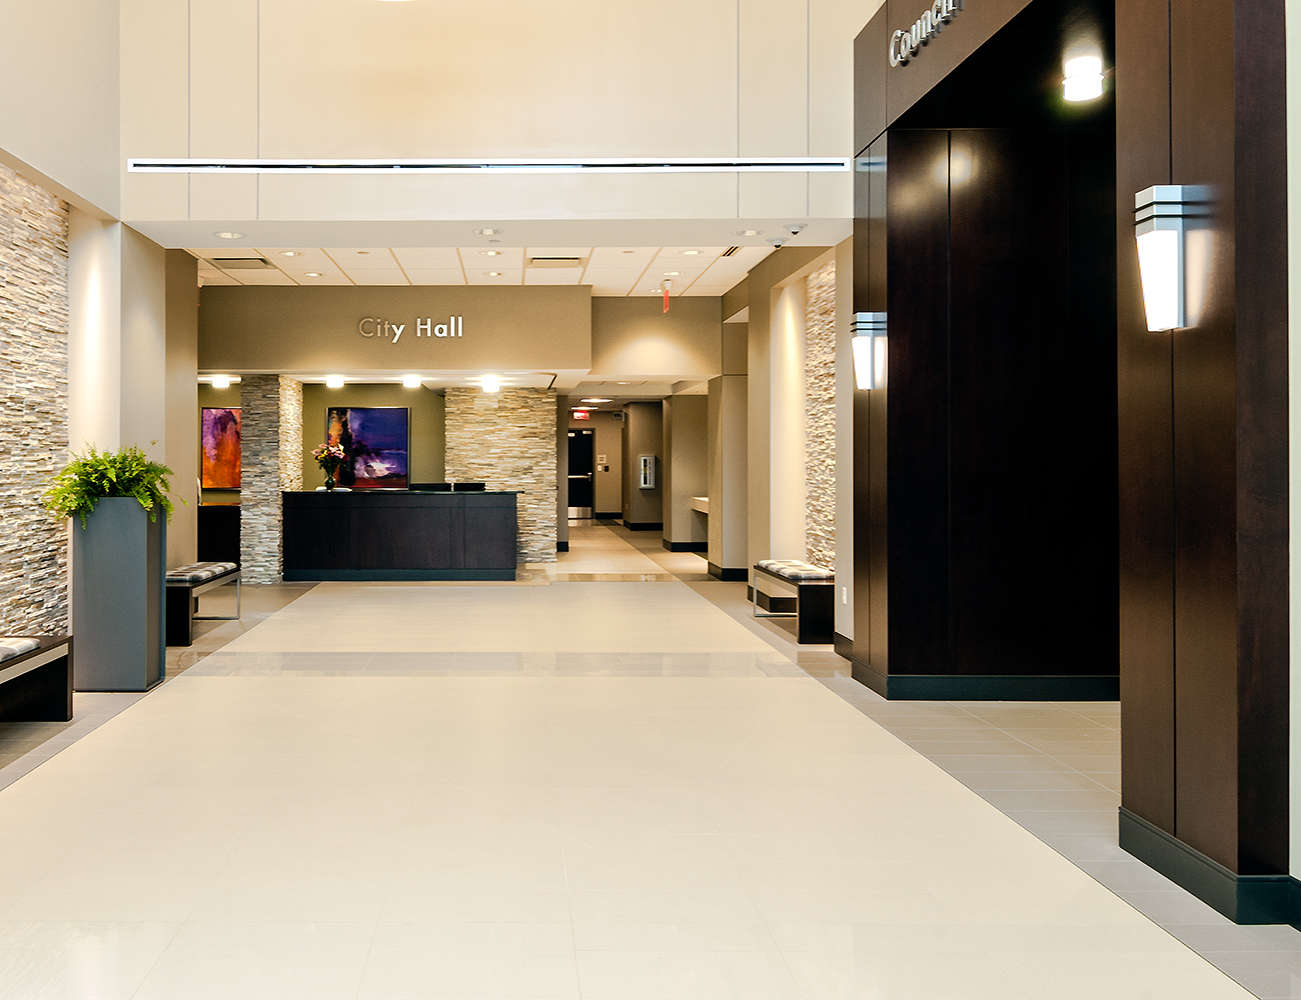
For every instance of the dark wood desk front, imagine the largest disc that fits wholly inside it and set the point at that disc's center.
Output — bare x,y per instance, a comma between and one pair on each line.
383,535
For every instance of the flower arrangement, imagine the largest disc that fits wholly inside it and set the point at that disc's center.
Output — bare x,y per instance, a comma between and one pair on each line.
81,483
331,458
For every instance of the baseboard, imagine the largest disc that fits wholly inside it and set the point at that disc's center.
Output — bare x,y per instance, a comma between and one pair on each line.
843,645
1244,899
686,546
972,687
608,515
729,575
644,525
562,546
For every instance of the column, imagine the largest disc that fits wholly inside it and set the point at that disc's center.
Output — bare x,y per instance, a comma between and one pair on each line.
272,439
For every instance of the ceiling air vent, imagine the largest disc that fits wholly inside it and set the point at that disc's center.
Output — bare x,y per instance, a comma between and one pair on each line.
729,251
556,262
243,263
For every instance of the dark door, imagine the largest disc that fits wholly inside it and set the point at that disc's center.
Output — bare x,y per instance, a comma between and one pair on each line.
581,490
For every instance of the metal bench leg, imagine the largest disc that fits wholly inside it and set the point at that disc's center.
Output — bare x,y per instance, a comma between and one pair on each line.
224,618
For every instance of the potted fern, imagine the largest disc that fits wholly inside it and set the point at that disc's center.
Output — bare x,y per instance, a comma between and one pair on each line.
117,565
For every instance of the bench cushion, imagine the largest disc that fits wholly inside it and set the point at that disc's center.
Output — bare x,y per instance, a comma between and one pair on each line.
200,571
795,569
15,645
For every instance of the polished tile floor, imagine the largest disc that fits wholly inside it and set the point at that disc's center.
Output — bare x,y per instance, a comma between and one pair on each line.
569,789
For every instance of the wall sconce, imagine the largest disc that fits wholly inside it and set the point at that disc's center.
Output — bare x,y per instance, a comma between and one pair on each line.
1083,79
1161,215
869,344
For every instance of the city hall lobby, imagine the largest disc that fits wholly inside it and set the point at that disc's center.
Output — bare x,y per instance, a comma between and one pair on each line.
703,501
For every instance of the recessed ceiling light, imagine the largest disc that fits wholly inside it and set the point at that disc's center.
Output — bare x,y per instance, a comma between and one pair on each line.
334,381
313,274
623,383
490,232
747,232
411,381
363,253
671,274
691,253
493,274
490,253
630,251
491,383
598,399
221,381
582,407
291,253
229,236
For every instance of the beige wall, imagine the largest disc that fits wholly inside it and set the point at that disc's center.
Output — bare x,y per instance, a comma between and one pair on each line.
427,424
728,517
315,330
182,450
59,74
686,467
643,435
763,286
250,78
633,338
607,441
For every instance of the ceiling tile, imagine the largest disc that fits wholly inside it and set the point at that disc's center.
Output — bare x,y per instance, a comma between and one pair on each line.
377,277
436,276
437,257
552,275
265,278
558,252
354,256
478,259
622,256
510,276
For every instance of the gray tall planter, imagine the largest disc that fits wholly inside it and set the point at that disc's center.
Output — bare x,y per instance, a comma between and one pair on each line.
117,597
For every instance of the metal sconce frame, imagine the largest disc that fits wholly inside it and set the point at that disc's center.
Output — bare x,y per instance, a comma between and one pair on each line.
869,344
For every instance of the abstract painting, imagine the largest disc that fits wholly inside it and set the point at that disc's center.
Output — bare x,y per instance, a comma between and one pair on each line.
220,460
376,440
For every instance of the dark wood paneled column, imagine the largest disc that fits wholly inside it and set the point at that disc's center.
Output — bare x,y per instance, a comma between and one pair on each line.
1203,417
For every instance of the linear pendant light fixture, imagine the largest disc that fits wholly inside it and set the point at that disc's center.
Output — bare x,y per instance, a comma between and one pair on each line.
869,344
1161,216
688,165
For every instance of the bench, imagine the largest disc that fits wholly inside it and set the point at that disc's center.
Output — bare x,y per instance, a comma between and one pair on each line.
184,585
815,591
36,678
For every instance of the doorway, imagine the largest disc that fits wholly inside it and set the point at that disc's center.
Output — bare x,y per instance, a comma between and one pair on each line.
581,473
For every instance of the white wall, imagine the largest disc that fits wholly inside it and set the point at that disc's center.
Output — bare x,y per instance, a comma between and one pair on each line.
59,115
669,77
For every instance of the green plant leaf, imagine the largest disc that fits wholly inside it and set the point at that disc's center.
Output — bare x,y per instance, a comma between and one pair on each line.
78,487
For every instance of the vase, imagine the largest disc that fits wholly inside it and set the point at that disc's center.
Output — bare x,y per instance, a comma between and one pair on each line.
117,597
329,480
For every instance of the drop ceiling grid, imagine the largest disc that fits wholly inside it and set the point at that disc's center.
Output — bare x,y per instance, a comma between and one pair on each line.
704,274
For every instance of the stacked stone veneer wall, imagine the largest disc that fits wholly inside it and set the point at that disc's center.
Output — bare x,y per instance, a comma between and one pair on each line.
820,423
271,440
508,440
34,394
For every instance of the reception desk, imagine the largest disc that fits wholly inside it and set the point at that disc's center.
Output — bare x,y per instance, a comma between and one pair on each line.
396,535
